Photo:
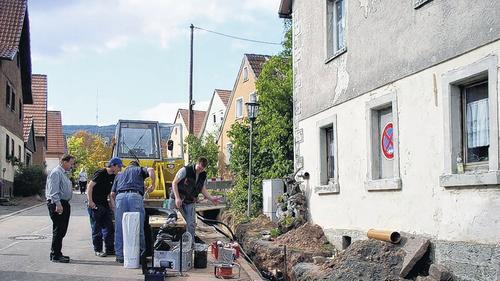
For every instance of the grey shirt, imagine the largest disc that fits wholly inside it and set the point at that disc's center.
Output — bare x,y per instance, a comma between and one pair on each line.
58,186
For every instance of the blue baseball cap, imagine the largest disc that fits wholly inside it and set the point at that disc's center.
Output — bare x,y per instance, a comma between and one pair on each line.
115,161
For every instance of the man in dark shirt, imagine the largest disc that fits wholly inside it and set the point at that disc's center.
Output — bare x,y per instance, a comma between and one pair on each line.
128,190
100,210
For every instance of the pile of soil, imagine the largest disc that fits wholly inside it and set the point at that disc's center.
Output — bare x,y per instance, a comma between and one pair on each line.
302,244
307,238
365,261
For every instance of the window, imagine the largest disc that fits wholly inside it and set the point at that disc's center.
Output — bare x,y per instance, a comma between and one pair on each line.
330,159
328,172
475,124
7,147
7,95
245,74
12,148
19,152
383,155
470,106
229,151
215,118
28,159
20,110
335,27
239,108
12,100
253,97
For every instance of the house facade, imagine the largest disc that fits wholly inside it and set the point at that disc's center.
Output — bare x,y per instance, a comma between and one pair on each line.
182,131
38,113
243,91
396,120
15,87
56,143
215,113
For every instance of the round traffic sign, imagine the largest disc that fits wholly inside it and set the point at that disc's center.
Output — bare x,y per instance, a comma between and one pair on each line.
386,141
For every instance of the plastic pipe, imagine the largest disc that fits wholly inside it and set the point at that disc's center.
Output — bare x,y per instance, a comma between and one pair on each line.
384,235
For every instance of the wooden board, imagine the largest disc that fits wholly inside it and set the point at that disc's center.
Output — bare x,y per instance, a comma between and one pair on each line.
156,221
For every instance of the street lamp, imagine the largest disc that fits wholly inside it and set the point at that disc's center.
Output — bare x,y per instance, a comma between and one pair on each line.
253,110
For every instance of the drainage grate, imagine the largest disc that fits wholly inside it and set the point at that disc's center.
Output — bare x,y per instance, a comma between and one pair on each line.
28,237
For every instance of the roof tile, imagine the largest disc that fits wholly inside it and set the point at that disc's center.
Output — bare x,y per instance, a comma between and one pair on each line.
199,117
12,14
27,123
39,107
224,95
257,62
55,137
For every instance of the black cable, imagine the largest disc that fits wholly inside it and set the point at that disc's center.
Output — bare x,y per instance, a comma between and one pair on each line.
207,221
211,222
238,38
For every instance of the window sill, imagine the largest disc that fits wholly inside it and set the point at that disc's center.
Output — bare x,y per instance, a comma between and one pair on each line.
383,184
470,179
331,188
336,54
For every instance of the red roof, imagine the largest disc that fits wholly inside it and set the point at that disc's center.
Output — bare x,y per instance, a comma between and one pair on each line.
55,138
27,123
257,62
199,117
224,95
11,26
39,107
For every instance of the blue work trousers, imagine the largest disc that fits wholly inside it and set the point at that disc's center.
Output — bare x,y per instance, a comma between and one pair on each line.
102,228
188,212
128,202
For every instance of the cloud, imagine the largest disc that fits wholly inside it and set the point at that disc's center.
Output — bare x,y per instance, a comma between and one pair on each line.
165,112
61,28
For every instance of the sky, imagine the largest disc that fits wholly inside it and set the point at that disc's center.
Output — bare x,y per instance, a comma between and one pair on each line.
129,59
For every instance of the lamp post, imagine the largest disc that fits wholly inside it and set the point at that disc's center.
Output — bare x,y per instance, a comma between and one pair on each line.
252,108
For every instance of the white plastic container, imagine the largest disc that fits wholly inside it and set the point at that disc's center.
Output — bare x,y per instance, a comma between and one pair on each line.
131,224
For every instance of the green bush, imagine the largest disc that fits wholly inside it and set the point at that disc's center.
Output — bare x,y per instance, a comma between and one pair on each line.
29,180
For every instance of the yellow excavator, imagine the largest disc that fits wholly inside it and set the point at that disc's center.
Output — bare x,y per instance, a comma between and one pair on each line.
151,144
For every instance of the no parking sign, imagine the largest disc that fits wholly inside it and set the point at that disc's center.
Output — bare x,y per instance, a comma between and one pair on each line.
386,142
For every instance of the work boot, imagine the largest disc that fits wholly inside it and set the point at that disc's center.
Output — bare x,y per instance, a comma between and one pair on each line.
61,259
101,254
119,259
110,253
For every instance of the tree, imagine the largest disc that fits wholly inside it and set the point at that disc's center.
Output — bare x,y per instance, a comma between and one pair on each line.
273,131
206,147
89,150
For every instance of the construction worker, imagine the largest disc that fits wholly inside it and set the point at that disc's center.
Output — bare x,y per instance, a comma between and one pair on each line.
58,191
100,210
128,191
187,185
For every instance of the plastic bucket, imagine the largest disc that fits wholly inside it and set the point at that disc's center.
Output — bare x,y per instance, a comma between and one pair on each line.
200,255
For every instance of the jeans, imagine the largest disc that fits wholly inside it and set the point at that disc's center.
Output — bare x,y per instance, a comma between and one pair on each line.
102,228
59,226
188,212
127,202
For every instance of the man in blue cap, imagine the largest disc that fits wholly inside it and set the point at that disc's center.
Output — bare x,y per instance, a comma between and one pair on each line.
100,210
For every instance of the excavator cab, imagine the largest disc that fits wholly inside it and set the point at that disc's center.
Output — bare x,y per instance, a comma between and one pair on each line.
152,144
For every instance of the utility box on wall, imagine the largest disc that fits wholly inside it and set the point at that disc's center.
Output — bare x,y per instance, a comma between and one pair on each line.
271,190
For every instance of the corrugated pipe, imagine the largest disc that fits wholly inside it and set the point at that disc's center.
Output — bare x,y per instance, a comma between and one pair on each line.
384,235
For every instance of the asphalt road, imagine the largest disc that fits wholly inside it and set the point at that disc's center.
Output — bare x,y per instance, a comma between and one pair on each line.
25,245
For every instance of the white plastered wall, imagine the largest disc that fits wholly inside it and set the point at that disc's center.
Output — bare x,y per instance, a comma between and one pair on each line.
9,168
422,206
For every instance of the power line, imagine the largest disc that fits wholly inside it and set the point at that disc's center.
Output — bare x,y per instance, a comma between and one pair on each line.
238,38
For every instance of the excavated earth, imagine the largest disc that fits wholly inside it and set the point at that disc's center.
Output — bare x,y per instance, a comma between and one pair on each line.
302,244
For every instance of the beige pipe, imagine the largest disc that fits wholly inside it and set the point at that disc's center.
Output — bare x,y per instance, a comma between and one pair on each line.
384,235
